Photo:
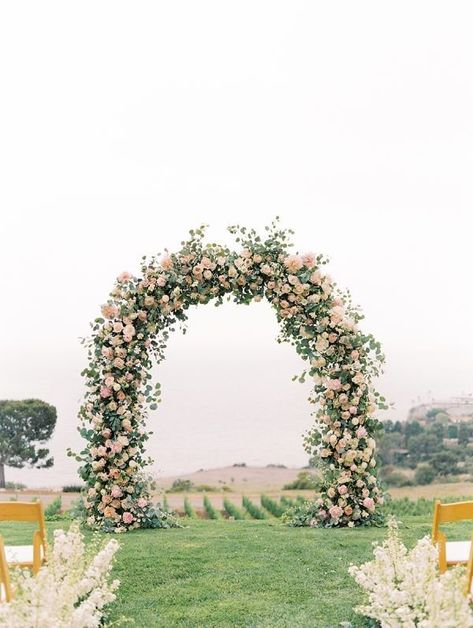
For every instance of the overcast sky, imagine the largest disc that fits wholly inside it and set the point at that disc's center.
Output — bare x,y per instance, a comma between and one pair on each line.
124,125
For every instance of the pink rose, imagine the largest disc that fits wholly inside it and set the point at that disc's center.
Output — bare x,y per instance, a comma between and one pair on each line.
124,277
142,502
105,392
308,259
109,311
361,432
161,281
368,503
335,512
322,514
118,363
166,262
117,327
127,517
293,263
116,491
342,489
334,384
107,352
316,278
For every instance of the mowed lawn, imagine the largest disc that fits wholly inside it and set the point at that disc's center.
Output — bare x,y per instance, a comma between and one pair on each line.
241,573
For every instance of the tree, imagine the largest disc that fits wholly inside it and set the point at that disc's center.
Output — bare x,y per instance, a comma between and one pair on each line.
445,462
24,427
425,474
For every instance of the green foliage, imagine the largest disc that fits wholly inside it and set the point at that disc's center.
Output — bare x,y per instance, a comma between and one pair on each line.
188,508
15,486
212,513
186,486
445,462
412,443
272,506
215,574
25,426
233,511
52,512
255,511
181,486
286,502
78,510
425,474
73,488
304,481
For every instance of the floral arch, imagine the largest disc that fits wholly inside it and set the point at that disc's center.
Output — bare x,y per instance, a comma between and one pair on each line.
314,316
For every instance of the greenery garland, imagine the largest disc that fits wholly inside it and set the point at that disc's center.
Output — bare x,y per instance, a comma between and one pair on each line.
314,316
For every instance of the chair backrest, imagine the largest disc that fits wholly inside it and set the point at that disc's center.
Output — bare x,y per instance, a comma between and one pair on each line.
447,513
4,575
469,572
24,511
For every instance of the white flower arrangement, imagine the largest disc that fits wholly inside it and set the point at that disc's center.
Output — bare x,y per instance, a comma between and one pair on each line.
72,590
406,590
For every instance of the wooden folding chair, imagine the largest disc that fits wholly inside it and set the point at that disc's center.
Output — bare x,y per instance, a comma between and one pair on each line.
451,552
5,588
31,556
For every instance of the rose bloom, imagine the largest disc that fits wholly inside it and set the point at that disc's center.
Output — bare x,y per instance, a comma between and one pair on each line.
105,392
331,492
361,432
116,491
368,503
359,378
342,489
109,512
127,517
107,352
142,502
118,363
308,259
322,514
334,384
117,327
335,512
166,262
293,263
348,510
109,311
124,277
316,278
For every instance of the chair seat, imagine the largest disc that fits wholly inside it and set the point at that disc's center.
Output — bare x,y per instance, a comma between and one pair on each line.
457,552
20,554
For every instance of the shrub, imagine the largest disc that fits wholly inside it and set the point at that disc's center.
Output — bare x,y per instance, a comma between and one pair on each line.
53,511
15,486
73,488
233,511
425,474
212,513
304,481
188,508
286,502
78,510
255,511
181,486
272,506
239,464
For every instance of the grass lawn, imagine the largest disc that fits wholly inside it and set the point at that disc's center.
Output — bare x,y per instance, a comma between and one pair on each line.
241,573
